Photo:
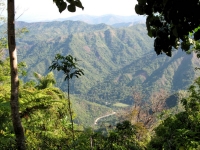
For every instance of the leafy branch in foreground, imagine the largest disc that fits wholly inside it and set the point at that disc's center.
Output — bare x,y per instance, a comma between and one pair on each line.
62,5
171,23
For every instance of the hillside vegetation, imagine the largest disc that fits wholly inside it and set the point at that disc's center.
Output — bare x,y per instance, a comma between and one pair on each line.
127,95
114,59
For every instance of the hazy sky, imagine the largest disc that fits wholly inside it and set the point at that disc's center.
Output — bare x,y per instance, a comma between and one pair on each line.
37,10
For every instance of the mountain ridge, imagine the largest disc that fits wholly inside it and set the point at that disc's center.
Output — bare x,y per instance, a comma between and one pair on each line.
108,19
114,59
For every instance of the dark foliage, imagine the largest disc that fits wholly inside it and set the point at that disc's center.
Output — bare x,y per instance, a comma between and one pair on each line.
170,22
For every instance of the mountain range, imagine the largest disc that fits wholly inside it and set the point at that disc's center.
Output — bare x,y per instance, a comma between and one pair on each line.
116,58
113,59
106,19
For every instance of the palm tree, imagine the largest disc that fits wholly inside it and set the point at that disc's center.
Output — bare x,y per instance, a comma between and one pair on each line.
43,111
45,81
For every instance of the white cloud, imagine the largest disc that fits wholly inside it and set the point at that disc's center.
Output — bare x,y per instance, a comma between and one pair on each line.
46,10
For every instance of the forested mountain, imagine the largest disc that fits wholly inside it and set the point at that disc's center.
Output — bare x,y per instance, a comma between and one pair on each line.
100,51
119,63
114,59
139,98
148,74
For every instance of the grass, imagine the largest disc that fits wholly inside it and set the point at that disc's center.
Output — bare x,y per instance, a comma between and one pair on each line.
120,105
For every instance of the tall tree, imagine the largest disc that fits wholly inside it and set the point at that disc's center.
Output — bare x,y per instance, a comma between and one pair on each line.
171,23
18,129
68,65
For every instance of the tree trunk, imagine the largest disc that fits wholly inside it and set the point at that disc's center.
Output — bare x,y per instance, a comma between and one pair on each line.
70,112
18,129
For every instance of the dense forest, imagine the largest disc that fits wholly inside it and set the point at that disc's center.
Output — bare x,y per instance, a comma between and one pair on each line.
45,118
99,86
113,59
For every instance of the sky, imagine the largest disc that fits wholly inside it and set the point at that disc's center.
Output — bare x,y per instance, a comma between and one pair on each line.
44,10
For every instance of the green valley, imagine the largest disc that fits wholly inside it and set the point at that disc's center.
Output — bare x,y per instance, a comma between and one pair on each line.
116,62
108,82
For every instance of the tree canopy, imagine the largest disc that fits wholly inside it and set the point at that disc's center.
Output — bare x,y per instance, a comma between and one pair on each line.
43,112
181,131
172,23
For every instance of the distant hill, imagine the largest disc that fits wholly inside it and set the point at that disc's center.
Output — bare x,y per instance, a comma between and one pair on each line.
107,19
150,73
114,60
126,24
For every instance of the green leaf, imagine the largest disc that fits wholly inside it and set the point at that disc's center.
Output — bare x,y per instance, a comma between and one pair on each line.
72,8
79,4
139,9
175,32
62,7
70,1
150,33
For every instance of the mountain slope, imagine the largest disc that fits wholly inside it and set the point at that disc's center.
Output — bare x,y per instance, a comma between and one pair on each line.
100,52
149,74
113,60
